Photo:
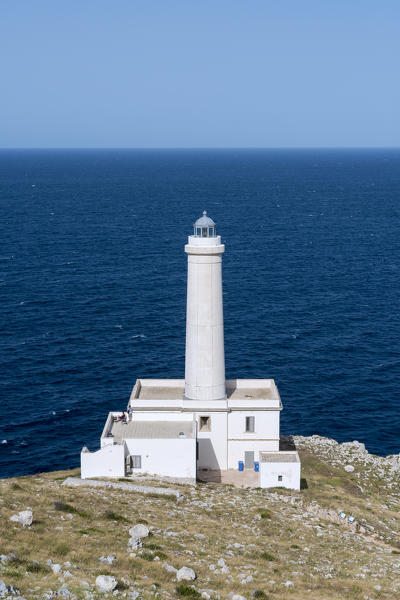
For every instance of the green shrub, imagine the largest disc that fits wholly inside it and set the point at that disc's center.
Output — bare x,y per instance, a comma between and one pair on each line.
186,591
35,567
265,513
61,549
260,594
112,516
153,546
267,556
68,508
147,556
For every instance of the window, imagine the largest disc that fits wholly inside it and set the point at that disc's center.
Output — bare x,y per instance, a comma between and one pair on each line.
205,423
136,462
204,232
279,477
250,422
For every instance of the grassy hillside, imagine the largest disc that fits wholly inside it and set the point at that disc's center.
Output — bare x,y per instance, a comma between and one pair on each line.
275,544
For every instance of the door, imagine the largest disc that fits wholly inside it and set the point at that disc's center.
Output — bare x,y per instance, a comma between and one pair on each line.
249,460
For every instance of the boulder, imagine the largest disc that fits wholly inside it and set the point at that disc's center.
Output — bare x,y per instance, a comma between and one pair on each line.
3,589
139,530
106,583
56,568
349,468
185,574
169,568
135,543
25,518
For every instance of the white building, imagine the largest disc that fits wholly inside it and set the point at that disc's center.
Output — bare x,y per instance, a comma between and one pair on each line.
179,428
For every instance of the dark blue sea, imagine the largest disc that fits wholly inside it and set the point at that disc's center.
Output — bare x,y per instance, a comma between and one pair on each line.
93,283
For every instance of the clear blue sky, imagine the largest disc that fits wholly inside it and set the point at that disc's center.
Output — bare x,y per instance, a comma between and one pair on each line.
199,73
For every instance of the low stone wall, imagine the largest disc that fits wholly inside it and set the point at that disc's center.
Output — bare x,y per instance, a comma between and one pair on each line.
129,487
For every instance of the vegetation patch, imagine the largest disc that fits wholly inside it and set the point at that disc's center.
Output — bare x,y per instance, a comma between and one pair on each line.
112,516
68,508
186,591
267,556
35,567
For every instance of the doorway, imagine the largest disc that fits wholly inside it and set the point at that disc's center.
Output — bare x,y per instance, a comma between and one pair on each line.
249,460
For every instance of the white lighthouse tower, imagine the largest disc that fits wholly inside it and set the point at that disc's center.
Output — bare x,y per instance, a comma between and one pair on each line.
188,428
205,360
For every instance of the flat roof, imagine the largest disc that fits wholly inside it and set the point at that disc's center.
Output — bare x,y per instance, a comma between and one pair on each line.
158,392
247,393
279,457
151,430
236,389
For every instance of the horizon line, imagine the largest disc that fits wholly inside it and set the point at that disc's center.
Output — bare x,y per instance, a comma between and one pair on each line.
3,148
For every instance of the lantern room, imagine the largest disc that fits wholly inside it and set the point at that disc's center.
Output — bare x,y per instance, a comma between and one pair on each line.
204,227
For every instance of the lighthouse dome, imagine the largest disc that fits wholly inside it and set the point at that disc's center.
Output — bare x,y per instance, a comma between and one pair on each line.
204,226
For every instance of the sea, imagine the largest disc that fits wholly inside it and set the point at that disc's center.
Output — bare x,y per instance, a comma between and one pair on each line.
93,285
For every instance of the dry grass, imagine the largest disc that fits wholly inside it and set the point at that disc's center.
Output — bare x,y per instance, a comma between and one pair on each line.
271,535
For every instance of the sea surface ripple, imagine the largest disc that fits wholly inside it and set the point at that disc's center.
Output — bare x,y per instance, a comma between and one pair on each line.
93,283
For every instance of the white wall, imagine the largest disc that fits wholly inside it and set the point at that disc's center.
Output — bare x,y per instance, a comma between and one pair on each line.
265,437
212,444
109,461
153,415
166,457
290,473
204,356
236,450
266,424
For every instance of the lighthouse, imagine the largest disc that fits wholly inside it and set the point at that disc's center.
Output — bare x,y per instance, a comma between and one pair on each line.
204,359
204,426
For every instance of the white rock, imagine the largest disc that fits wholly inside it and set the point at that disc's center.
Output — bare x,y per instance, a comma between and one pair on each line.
105,583
288,583
139,530
349,468
107,559
221,562
225,569
135,542
25,518
3,589
56,568
185,573
169,568
238,597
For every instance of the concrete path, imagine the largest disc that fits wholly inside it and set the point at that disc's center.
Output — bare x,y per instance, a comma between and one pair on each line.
239,479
